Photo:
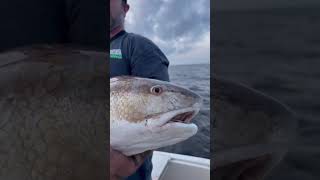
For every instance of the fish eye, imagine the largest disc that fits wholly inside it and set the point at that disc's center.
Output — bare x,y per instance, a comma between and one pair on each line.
157,90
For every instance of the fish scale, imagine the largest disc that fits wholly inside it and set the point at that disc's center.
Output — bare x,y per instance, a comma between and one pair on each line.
53,113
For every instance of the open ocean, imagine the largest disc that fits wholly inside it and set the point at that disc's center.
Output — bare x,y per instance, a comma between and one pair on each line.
277,51
197,79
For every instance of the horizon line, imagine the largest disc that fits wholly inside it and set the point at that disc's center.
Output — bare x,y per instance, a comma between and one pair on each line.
190,64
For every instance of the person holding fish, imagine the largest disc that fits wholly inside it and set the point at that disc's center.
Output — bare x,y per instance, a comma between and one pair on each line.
133,55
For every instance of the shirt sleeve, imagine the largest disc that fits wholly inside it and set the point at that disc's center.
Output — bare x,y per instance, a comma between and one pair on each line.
148,61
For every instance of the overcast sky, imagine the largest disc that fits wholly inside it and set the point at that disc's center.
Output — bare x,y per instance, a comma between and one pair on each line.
181,28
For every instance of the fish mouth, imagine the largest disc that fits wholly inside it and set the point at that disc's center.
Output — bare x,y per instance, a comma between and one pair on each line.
185,117
180,116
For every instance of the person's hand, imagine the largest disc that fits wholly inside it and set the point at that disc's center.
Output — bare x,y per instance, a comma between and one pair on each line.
122,166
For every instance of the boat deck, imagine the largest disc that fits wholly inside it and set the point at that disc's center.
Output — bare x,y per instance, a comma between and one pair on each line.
168,166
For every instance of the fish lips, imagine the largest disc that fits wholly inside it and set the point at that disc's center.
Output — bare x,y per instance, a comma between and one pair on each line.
178,118
180,130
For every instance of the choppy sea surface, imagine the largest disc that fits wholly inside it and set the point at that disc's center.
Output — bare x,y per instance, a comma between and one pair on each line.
196,78
277,51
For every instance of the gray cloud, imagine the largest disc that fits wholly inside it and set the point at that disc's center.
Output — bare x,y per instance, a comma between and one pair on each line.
177,26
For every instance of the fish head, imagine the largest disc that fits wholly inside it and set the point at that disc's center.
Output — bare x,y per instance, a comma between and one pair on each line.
151,113
253,132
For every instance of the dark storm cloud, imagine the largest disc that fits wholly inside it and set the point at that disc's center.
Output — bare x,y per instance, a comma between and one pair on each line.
176,25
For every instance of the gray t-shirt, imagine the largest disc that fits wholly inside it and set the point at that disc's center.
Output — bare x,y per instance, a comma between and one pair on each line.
134,55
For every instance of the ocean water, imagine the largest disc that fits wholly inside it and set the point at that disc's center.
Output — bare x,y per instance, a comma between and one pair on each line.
197,79
277,51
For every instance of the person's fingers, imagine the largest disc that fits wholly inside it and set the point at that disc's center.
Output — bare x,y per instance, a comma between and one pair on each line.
140,158
120,165
134,162
126,166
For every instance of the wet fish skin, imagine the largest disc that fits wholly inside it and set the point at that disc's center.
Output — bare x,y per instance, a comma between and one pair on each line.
252,131
53,113
139,118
